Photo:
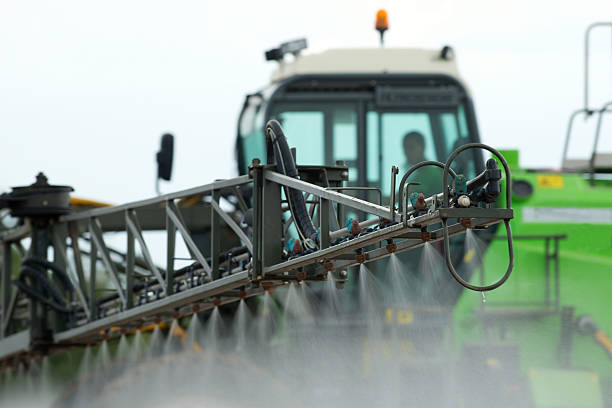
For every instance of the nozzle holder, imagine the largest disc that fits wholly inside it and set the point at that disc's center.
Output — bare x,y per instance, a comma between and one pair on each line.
300,275
360,258
447,251
466,222
391,247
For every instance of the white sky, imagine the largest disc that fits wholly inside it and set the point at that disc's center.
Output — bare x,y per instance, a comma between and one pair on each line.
87,88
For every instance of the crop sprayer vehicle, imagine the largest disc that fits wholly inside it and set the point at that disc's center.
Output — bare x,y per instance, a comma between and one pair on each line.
349,114
548,324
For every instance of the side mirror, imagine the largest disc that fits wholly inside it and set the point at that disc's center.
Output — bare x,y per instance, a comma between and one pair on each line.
164,158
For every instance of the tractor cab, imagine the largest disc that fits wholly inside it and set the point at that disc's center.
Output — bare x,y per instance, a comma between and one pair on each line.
368,108
371,109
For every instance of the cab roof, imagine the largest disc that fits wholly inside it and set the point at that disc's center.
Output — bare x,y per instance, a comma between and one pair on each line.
370,60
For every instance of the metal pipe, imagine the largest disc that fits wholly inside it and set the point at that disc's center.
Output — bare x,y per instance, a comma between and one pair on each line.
586,59
447,253
402,185
601,112
355,203
429,200
364,224
394,171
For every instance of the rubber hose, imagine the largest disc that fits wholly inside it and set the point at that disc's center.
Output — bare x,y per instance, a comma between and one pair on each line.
286,165
235,251
34,294
35,270
48,288
59,273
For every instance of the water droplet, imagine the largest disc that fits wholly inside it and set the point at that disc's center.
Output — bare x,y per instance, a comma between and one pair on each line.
484,298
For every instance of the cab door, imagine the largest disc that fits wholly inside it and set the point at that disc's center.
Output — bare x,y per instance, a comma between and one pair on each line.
323,134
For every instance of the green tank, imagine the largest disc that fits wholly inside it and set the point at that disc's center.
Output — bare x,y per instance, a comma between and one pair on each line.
546,326
563,234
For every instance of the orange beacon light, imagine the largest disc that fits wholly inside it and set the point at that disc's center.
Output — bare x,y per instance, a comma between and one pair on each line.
382,24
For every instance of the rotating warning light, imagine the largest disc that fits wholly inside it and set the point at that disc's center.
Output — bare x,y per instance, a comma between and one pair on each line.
382,24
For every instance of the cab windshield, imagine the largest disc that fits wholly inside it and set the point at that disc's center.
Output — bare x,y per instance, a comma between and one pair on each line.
331,133
364,134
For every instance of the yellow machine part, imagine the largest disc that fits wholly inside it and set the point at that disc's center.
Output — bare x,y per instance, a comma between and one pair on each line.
83,203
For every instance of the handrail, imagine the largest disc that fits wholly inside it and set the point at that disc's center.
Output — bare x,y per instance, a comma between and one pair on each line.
570,126
588,113
586,109
601,111
586,59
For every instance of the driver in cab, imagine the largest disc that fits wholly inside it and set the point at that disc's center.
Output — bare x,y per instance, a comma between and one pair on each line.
429,177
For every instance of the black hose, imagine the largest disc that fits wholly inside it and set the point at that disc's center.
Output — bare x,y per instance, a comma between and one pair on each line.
57,272
47,287
34,270
32,293
235,251
286,165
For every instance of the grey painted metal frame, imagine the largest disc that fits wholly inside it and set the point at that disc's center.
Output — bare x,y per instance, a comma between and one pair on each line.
174,215
15,344
57,243
163,296
5,294
95,229
355,203
139,314
73,225
232,224
207,188
132,224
